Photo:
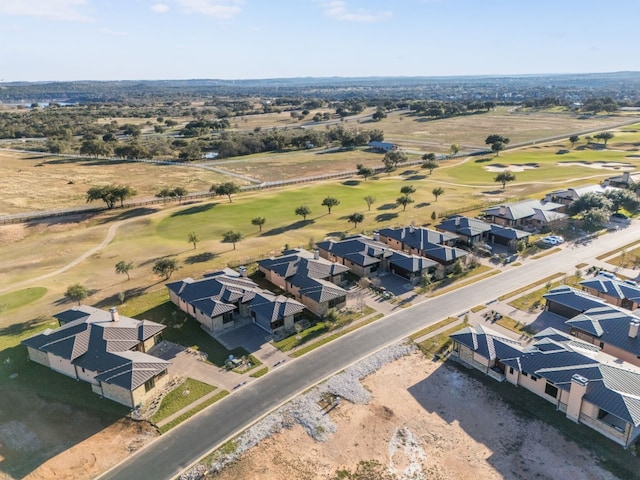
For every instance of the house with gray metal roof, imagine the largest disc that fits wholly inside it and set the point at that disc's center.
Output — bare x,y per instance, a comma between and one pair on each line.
275,313
383,146
569,195
224,300
613,330
568,302
589,386
623,293
365,257
312,280
472,232
528,213
626,180
105,349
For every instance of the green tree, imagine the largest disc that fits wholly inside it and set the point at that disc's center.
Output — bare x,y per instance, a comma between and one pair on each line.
590,201
190,152
123,192
123,267
76,292
394,157
231,237
497,147
164,194
330,202
303,211
454,148
430,165
491,139
165,267
622,199
106,193
595,219
355,218
574,139
179,193
504,178
370,200
259,222
364,172
437,192
434,215
228,189
404,200
407,190
604,136
193,237
379,114
429,157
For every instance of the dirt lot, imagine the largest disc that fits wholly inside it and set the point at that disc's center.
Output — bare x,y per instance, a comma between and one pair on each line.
427,421
74,443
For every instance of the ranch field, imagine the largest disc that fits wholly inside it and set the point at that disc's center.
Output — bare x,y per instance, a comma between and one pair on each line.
41,259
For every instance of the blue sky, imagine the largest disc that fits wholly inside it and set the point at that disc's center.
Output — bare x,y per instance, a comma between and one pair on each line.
236,39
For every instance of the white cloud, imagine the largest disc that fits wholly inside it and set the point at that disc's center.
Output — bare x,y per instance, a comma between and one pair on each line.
62,10
339,10
159,8
222,9
114,33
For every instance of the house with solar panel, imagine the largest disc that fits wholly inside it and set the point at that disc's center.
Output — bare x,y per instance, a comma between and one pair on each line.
313,281
588,386
228,299
105,349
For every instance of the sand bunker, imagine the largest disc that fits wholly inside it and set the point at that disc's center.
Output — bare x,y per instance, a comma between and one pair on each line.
499,167
600,165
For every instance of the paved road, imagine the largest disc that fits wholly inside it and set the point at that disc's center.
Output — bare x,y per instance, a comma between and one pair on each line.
175,451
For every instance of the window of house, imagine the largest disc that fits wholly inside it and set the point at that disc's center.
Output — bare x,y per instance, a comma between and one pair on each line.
534,378
510,370
525,374
228,317
149,384
277,324
601,344
551,390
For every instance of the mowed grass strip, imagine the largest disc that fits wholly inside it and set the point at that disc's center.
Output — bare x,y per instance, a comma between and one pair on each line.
529,287
432,328
438,344
618,250
532,300
329,338
180,397
198,408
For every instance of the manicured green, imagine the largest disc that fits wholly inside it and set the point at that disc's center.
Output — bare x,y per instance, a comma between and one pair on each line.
185,416
180,397
438,344
19,298
532,300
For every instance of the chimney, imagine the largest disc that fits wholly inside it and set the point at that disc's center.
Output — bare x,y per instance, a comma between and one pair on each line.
316,254
376,236
412,229
114,314
503,210
576,392
243,271
633,328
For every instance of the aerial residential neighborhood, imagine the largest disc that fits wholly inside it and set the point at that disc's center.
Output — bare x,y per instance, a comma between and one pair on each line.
321,240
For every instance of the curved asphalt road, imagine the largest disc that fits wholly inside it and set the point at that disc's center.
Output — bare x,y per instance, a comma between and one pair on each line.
173,452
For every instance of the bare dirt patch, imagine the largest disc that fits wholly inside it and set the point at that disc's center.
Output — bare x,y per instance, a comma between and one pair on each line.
98,453
426,421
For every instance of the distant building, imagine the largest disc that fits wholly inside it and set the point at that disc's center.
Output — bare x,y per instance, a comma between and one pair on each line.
383,146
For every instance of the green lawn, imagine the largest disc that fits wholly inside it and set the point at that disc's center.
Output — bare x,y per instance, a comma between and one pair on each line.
19,298
532,300
198,408
183,395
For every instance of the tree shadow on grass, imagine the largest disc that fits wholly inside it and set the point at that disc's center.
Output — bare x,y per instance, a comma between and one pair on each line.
114,300
351,183
287,228
130,213
408,172
416,177
493,192
194,210
200,258
385,217
483,160
388,206
23,327
422,204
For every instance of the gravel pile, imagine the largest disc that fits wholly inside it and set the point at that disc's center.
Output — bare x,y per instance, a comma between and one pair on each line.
306,409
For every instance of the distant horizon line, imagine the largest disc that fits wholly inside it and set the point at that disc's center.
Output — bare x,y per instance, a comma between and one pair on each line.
331,77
